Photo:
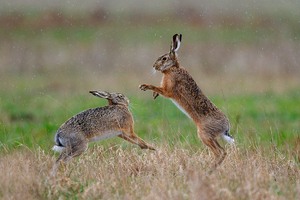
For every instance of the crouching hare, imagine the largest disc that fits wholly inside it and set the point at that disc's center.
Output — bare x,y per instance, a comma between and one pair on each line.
95,124
178,85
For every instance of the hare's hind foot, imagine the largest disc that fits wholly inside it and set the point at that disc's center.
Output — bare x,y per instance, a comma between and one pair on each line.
136,140
217,162
218,151
219,159
147,146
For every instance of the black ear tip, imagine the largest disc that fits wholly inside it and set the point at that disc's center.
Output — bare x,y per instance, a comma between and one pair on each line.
95,93
174,37
177,35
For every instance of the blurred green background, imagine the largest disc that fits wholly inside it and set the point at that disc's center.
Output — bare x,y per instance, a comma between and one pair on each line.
243,54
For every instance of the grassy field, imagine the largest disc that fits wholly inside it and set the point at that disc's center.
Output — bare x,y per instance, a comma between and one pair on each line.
263,164
257,119
248,66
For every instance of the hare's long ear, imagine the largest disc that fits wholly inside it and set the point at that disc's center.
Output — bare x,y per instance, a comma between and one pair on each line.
175,43
101,94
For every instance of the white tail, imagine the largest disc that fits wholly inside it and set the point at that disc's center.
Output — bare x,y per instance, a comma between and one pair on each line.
178,85
115,119
228,139
58,148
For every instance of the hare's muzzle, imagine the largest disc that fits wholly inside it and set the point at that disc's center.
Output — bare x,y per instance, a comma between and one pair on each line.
156,67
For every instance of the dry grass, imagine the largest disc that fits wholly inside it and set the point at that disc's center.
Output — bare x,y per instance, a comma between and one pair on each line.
40,68
169,173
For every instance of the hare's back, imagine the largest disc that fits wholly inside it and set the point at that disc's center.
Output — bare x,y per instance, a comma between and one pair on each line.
185,83
98,119
186,91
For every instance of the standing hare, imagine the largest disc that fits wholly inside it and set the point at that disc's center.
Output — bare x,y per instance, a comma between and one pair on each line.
95,124
178,85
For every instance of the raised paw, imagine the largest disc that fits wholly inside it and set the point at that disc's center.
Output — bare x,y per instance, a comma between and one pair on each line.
155,95
144,87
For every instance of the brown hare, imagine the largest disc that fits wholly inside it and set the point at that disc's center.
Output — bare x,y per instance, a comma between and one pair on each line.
95,124
178,85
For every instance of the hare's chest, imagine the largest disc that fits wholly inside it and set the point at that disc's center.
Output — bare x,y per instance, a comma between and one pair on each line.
167,82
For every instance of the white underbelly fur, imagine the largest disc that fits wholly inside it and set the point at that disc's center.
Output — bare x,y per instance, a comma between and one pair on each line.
105,135
180,108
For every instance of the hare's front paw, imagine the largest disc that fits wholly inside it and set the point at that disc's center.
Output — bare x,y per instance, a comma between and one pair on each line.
155,95
144,87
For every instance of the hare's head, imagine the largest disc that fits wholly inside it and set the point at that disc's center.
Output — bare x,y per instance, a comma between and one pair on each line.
112,98
169,60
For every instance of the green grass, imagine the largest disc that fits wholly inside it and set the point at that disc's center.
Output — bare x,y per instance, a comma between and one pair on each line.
33,104
268,119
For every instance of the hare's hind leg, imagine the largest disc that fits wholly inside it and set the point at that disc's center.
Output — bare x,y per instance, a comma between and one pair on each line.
73,147
215,147
221,152
62,157
68,153
130,136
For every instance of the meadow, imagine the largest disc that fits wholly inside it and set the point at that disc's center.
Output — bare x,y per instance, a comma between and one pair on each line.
49,62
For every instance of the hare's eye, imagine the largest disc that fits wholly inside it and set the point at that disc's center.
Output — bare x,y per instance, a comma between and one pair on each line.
164,58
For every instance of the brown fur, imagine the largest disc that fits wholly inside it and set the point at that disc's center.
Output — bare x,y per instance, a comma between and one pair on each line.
95,124
179,85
